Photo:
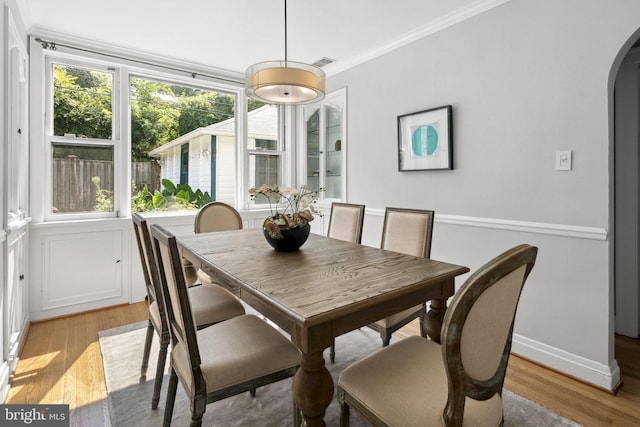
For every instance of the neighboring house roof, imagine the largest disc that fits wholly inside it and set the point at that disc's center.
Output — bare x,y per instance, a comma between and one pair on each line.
262,124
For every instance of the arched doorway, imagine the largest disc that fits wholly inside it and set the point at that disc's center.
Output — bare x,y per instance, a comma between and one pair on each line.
626,193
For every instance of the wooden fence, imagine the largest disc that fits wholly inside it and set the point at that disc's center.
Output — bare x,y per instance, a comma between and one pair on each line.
73,179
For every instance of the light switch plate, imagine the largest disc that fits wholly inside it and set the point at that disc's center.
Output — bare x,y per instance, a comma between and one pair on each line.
563,160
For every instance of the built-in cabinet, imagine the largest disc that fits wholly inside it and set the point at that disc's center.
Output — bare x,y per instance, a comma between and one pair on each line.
14,175
16,308
322,128
325,143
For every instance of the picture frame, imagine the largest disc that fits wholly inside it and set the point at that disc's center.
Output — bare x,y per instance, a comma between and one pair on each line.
425,140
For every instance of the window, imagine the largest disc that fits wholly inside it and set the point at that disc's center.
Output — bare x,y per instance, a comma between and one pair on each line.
184,164
190,133
82,138
264,151
176,147
88,171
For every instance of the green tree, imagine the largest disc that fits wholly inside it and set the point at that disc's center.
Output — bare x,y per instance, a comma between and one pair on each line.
82,102
154,117
204,109
160,112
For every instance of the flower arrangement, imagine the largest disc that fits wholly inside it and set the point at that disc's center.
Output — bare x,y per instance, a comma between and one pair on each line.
296,205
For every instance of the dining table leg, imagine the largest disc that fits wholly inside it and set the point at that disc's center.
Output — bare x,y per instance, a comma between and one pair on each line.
434,318
312,389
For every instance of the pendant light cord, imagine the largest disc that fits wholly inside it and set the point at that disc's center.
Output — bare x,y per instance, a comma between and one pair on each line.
285,31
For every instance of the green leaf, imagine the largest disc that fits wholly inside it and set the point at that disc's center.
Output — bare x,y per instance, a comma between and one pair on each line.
169,186
158,199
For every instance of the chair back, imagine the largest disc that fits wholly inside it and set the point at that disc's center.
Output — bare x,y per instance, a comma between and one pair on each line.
478,328
217,216
147,257
408,231
345,222
182,326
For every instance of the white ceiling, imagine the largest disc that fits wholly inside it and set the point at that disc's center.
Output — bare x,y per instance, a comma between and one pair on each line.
233,34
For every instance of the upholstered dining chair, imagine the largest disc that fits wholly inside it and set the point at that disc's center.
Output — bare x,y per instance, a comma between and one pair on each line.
211,304
220,361
345,223
456,383
215,216
407,231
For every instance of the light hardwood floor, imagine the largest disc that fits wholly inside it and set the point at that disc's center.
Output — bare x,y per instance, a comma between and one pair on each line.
61,363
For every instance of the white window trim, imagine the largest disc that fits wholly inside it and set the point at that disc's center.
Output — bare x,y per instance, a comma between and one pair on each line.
115,141
123,69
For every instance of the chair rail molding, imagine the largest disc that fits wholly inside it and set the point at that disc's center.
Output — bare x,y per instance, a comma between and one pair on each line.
563,230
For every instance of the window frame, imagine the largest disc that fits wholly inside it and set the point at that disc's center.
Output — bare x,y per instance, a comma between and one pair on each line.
286,154
123,69
50,139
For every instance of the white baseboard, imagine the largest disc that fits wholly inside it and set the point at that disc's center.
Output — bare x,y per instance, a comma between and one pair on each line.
598,374
5,374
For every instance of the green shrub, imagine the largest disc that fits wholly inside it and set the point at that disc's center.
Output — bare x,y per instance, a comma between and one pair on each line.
172,197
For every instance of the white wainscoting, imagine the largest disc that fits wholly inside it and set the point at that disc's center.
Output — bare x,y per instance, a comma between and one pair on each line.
74,268
85,265
565,302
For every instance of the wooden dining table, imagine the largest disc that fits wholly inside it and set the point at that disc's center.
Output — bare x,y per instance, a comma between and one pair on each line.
325,289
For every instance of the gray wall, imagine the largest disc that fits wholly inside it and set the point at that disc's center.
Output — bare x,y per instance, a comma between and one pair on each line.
525,79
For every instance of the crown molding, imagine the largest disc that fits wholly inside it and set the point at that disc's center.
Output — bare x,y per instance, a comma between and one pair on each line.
433,27
134,55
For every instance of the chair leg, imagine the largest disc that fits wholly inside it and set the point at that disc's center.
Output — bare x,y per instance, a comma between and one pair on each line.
332,352
297,416
344,414
147,350
423,330
252,392
162,358
171,398
385,335
197,411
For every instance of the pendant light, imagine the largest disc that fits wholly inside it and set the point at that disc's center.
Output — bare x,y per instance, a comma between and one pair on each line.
285,82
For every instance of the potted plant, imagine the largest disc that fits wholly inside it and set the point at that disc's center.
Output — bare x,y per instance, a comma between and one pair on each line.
287,228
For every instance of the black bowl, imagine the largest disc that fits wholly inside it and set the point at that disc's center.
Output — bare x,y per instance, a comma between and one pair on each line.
292,238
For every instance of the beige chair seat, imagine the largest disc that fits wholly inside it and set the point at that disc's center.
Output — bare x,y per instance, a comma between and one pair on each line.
204,278
416,394
237,351
210,304
394,319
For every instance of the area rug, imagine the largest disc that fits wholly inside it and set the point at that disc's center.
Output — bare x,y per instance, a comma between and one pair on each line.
129,401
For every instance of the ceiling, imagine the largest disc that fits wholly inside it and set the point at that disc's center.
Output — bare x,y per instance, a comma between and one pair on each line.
233,34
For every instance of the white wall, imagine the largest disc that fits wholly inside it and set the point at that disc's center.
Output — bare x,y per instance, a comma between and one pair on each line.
525,79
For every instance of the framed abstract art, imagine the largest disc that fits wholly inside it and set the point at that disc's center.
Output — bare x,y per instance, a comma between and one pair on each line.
425,140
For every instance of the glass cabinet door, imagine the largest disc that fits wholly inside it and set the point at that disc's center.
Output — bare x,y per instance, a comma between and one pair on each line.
325,142
312,136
